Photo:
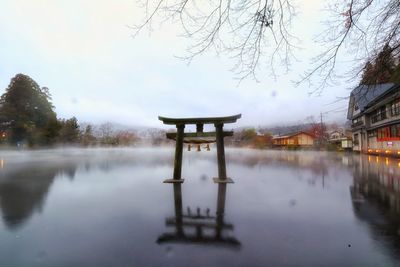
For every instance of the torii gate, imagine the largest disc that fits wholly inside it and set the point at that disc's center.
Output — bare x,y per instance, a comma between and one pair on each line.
180,137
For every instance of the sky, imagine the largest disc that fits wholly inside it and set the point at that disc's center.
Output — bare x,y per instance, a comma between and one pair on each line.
84,52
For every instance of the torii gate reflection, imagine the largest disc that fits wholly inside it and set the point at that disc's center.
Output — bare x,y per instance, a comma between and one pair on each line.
199,222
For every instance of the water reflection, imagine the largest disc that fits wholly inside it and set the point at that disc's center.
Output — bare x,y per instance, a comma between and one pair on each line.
23,190
107,208
200,222
375,196
26,177
316,163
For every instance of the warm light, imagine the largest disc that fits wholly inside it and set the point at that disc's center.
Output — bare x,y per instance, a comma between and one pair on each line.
398,163
377,159
377,151
3,135
387,161
369,159
398,152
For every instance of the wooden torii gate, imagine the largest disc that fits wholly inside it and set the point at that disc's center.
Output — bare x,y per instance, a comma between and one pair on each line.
198,137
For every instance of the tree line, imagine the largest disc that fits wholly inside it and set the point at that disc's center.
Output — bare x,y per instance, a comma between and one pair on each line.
27,118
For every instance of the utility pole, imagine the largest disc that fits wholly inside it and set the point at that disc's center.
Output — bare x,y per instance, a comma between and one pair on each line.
320,132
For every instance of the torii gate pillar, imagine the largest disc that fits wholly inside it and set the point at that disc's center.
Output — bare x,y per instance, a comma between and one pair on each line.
221,156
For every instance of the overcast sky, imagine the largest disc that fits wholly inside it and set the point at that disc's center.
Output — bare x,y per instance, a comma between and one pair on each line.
84,53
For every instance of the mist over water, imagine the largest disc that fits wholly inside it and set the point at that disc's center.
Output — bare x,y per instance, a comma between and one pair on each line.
109,207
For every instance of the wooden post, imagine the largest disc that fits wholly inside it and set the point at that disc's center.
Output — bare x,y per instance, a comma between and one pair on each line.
220,151
219,136
178,152
220,209
199,127
178,208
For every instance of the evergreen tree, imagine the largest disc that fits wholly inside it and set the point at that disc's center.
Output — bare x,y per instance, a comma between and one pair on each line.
384,65
381,70
368,74
69,132
26,112
396,73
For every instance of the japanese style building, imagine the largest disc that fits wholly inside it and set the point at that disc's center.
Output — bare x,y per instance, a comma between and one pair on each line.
341,138
303,139
375,115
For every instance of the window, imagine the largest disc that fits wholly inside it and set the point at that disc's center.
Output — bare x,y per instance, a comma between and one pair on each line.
395,107
383,133
372,133
389,133
355,107
395,131
355,139
357,121
379,114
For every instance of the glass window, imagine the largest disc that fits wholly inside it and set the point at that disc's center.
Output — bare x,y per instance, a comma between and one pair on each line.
357,121
383,112
372,133
395,131
379,114
355,139
384,132
395,107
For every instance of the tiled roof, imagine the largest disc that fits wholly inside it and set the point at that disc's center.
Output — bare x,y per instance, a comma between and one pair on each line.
365,94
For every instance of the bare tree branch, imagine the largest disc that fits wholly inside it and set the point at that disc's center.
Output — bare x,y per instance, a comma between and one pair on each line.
258,32
245,29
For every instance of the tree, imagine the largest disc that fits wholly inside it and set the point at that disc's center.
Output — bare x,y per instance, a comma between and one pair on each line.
69,132
248,135
242,29
126,138
318,129
51,131
382,69
384,65
26,112
106,134
245,137
262,141
396,73
258,31
367,77
87,137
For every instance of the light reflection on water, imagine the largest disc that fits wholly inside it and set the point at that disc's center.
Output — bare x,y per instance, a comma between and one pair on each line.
109,207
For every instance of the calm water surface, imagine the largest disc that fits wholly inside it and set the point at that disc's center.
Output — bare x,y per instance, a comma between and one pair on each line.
109,207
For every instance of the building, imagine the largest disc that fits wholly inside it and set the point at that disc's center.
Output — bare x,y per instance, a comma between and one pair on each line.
341,138
302,139
374,112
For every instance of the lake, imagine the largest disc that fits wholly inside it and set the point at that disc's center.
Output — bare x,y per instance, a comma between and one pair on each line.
109,207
